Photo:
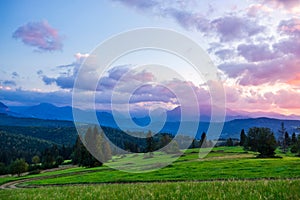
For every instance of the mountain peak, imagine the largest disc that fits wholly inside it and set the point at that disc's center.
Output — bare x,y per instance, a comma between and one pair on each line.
46,105
3,106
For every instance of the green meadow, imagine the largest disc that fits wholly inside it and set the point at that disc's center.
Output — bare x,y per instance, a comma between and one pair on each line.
225,173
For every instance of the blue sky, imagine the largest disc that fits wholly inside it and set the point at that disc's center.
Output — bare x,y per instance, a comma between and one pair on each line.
249,41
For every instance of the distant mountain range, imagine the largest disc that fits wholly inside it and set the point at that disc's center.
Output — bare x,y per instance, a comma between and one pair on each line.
49,115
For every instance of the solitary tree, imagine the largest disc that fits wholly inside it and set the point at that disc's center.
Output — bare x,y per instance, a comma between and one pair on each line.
35,159
261,140
282,141
150,143
18,167
294,139
287,139
193,144
296,145
242,137
203,141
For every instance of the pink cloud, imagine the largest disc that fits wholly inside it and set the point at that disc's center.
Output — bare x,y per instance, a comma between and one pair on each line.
285,99
286,4
290,27
257,9
40,35
295,80
270,71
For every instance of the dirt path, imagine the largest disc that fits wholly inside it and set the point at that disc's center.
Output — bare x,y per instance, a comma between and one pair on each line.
15,184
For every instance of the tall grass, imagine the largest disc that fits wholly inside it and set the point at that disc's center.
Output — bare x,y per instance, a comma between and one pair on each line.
248,190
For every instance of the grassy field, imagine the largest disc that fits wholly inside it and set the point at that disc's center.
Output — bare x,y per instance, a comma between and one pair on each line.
225,173
263,189
222,163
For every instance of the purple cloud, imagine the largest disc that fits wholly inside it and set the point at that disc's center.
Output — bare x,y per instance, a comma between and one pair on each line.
180,11
225,54
189,20
232,28
255,53
40,35
140,4
288,46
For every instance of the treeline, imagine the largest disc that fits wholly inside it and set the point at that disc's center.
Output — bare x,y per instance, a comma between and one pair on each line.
136,142
58,135
20,153
262,140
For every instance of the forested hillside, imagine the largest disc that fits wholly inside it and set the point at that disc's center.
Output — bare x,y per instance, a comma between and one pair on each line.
13,146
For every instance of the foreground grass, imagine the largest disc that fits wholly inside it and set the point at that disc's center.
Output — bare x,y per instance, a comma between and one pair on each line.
275,189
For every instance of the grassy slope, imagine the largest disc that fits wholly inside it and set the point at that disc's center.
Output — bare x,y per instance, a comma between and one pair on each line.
222,163
279,189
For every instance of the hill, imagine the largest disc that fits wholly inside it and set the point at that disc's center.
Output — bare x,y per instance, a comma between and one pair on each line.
7,120
58,135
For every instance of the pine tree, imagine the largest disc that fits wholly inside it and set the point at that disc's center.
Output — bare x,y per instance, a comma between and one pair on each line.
105,147
242,137
295,144
203,142
294,139
150,143
282,141
193,144
287,139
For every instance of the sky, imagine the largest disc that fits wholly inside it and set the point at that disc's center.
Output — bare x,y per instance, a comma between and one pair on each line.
254,44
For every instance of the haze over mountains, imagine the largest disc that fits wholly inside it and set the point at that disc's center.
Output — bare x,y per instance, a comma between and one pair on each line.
46,114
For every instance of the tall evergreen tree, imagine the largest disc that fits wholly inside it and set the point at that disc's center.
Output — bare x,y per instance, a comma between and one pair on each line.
203,141
242,137
294,139
295,144
105,147
193,144
282,141
287,139
150,143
